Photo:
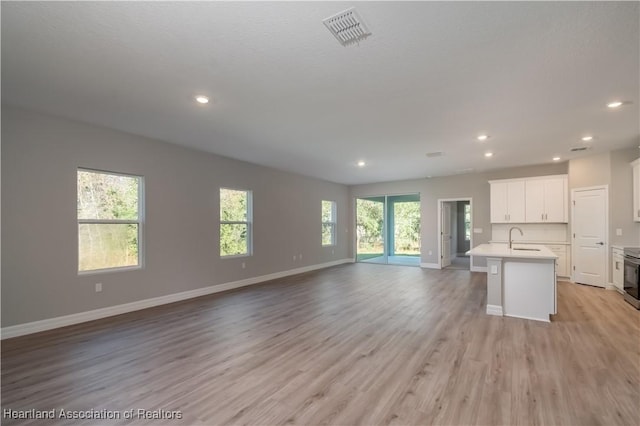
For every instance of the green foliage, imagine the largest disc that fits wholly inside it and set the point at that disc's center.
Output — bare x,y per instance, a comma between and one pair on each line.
103,196
369,222
328,222
407,227
234,208
370,226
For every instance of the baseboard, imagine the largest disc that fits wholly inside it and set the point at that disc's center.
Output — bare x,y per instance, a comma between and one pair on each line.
430,266
478,269
494,310
63,321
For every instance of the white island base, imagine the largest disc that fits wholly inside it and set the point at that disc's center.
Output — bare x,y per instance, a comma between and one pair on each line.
520,283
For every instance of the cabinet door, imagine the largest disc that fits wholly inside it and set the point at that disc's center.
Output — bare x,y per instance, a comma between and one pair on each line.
555,200
617,263
499,202
534,201
636,193
515,202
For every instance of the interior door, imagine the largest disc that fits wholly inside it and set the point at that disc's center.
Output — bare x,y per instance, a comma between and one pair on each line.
589,232
445,249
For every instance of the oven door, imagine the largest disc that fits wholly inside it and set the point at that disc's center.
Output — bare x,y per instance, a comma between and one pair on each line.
631,277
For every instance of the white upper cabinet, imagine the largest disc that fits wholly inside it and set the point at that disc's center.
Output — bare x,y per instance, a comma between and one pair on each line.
507,202
546,200
636,190
530,200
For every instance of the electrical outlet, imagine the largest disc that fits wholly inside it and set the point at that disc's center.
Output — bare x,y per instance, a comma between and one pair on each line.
300,256
98,287
243,265
333,251
619,232
430,252
294,257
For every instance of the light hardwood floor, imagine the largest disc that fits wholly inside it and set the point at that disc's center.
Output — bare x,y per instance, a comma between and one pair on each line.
355,344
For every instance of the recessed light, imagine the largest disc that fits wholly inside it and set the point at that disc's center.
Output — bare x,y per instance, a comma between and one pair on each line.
201,99
483,137
556,158
488,154
615,104
361,163
587,138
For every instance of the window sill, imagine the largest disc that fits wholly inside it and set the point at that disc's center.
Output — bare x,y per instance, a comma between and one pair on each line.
109,270
235,256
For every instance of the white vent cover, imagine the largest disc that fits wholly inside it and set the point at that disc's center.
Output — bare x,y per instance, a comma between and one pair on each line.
347,27
434,154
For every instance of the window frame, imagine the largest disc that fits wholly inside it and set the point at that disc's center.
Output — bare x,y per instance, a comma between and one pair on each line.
139,222
333,223
248,223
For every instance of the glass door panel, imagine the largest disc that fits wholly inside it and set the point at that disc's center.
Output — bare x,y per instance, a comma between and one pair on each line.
370,230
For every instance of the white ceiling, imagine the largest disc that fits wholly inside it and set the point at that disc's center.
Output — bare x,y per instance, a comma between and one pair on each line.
286,94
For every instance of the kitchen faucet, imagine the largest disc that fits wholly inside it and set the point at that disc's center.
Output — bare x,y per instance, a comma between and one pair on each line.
510,238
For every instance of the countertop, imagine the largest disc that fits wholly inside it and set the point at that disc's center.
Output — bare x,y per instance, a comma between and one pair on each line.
550,243
499,250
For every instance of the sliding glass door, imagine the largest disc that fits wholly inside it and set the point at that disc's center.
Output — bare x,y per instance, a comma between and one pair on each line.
370,241
388,229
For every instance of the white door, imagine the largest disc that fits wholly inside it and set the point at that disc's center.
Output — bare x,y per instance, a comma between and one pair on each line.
590,233
445,249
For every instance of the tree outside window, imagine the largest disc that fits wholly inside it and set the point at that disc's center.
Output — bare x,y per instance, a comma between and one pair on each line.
109,208
235,222
467,222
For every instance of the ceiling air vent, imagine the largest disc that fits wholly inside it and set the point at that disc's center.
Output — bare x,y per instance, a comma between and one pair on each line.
347,27
434,154
579,148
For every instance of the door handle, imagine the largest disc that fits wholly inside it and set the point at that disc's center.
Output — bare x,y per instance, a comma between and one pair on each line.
600,243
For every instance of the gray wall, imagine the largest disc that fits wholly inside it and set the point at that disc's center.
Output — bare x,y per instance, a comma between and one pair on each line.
614,170
621,199
475,186
40,156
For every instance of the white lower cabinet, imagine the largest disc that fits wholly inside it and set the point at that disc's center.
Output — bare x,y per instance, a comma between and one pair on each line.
562,262
617,266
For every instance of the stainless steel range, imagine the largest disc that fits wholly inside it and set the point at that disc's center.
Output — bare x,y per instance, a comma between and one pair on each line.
632,275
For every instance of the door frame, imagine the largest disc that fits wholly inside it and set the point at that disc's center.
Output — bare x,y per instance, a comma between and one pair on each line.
607,285
447,200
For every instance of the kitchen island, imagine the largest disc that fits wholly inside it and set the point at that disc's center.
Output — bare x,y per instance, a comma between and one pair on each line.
521,281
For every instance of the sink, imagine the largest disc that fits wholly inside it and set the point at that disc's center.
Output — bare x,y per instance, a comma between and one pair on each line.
526,249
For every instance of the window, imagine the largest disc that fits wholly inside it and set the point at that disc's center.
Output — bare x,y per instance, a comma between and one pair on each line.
328,223
467,222
109,220
235,222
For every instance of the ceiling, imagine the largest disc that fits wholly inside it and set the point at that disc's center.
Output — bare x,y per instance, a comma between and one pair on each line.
284,93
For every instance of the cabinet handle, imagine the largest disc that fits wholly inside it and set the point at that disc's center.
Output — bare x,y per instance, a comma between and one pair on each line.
542,217
505,217
546,217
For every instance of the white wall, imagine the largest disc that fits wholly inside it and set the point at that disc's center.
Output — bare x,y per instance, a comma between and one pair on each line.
40,156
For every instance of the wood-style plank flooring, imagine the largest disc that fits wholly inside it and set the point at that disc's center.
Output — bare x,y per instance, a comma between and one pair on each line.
356,344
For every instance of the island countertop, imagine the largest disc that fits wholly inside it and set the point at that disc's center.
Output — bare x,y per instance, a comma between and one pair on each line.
499,250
